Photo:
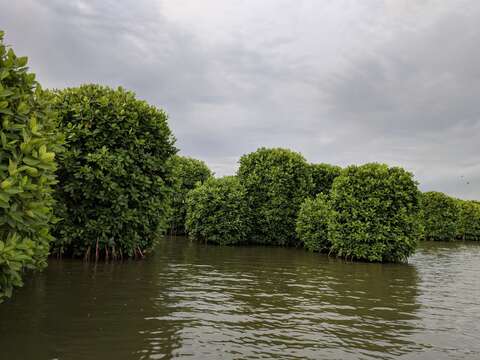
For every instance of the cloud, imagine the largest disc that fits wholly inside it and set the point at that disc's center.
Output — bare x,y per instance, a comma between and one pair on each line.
341,81
414,100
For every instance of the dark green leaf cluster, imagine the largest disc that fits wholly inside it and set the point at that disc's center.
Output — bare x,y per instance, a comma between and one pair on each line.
312,223
187,173
27,165
439,215
468,220
323,176
115,180
216,211
276,181
374,213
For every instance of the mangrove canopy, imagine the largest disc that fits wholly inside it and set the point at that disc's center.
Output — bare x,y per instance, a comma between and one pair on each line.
374,213
27,165
276,182
115,184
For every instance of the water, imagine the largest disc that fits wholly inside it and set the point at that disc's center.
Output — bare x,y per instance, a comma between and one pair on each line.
205,302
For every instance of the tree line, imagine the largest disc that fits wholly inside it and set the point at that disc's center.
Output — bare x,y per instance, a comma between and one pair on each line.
92,172
371,212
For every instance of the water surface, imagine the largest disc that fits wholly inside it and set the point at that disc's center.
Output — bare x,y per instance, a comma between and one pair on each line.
194,301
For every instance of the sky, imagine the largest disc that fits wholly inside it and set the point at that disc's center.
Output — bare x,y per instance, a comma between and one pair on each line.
341,81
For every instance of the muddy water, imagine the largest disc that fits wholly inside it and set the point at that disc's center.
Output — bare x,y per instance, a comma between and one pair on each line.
195,301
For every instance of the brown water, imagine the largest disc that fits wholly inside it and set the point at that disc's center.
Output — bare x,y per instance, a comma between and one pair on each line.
206,302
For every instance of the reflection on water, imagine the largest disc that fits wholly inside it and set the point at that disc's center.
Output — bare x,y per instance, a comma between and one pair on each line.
207,302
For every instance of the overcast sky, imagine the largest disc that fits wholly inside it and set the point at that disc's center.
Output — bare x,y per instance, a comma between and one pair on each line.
343,82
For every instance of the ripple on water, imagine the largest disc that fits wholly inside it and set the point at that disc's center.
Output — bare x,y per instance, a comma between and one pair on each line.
206,302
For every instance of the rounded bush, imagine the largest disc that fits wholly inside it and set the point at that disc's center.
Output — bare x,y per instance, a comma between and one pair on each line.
469,220
374,213
115,180
27,167
312,223
439,216
187,174
276,181
323,176
217,212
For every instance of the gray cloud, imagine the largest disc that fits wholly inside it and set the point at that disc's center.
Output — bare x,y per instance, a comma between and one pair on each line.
341,81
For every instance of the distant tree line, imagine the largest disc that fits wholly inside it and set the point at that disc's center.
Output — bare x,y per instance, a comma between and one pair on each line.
371,212
445,218
92,172
368,212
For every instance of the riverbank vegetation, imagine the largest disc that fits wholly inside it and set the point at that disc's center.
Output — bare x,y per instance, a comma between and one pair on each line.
440,215
120,185
114,183
312,223
323,176
370,213
27,167
374,213
276,182
187,174
217,212
447,219
468,225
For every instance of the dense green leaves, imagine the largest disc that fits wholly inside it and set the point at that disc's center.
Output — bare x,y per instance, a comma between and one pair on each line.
374,213
312,223
468,220
187,173
276,181
439,216
115,180
28,145
323,176
217,211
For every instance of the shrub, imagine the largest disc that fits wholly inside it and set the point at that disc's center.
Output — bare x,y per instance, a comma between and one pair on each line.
323,176
217,211
115,181
312,223
187,173
276,181
439,216
374,213
468,220
27,171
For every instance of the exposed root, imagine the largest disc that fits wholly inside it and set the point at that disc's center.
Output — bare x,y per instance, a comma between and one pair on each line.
87,254
96,252
140,251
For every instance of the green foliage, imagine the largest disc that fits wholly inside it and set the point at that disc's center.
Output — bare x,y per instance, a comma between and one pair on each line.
312,223
468,220
276,181
323,176
374,213
115,177
187,174
28,145
439,214
217,211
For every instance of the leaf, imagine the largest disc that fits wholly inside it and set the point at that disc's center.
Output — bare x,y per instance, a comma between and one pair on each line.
23,108
33,124
3,75
5,184
4,197
4,139
30,161
22,61
6,111
12,167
